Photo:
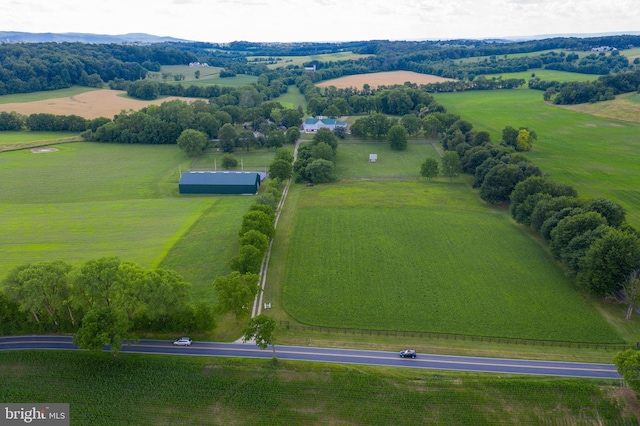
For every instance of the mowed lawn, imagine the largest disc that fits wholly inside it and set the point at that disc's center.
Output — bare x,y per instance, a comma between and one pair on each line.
353,159
598,156
420,256
89,200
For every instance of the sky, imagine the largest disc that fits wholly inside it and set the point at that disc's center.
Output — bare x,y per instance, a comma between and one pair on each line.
322,20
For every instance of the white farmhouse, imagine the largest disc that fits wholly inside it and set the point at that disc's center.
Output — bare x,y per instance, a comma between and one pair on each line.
312,125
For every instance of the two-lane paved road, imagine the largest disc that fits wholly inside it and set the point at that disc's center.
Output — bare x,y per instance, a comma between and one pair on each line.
344,356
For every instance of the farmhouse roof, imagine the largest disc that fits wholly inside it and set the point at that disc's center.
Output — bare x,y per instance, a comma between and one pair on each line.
312,124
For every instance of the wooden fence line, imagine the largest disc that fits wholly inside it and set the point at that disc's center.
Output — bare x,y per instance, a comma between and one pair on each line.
524,342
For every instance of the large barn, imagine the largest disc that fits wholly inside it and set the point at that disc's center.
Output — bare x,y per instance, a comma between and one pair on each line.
214,182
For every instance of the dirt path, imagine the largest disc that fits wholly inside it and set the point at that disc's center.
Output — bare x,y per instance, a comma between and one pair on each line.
258,303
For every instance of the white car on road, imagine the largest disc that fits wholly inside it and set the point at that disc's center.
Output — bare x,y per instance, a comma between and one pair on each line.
183,341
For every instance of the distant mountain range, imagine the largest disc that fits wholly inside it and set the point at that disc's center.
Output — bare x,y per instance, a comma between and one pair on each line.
24,37
17,37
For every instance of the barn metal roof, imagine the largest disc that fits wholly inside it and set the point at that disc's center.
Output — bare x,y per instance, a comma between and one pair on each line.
219,178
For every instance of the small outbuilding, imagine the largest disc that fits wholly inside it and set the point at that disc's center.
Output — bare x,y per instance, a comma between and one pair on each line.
219,182
373,158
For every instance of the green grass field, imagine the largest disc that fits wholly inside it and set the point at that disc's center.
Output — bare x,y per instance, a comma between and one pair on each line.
208,76
25,137
89,200
421,256
255,159
353,159
292,99
283,61
596,155
155,390
49,94
547,75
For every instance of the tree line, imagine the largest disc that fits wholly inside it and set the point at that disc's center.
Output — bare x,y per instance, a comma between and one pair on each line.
101,301
589,236
577,92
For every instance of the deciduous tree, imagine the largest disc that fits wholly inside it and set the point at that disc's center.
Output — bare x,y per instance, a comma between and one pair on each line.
102,326
262,329
235,293
430,168
451,164
397,136
193,142
609,261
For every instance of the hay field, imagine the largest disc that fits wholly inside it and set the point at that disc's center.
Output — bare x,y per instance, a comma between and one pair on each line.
97,103
382,79
624,107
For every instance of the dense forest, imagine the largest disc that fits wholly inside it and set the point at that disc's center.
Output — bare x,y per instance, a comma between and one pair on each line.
29,67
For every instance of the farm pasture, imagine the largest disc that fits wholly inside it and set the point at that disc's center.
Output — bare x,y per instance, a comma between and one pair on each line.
595,155
353,159
284,61
208,76
420,256
546,75
89,200
624,107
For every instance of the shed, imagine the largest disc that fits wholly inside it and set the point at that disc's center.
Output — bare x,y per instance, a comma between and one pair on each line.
214,182
373,158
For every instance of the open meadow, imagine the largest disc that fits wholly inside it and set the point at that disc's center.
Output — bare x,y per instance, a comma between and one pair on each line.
208,76
284,61
546,75
89,200
624,107
598,156
352,160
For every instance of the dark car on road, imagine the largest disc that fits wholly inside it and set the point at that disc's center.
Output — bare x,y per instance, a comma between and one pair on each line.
408,353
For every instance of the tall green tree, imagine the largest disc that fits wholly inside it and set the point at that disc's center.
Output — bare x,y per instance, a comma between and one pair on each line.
432,126
609,261
228,136
256,239
325,135
397,136
248,261
102,326
276,139
281,169
411,123
292,135
628,365
258,221
193,142
572,226
246,139
261,329
235,293
42,288
320,171
430,168
93,282
323,151
451,164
